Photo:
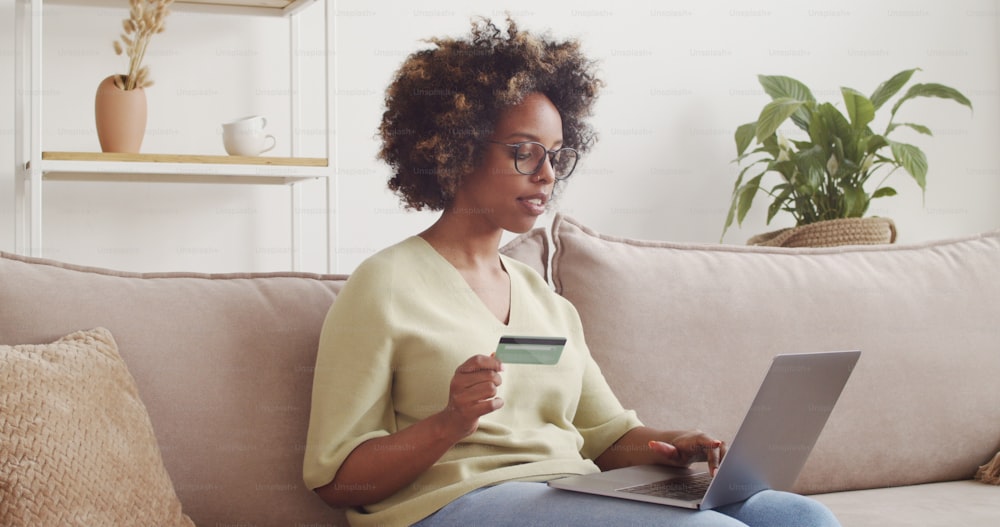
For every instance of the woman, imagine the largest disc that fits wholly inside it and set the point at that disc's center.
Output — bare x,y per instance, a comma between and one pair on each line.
414,421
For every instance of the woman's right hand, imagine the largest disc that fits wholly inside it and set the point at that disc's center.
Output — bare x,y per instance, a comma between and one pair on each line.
471,395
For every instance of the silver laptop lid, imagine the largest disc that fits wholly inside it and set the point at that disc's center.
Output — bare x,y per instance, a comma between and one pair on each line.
783,423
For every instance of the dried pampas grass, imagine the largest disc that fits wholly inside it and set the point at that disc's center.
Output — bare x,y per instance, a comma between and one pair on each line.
990,472
146,18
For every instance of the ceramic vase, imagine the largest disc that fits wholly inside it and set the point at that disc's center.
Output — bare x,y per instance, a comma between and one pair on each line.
120,116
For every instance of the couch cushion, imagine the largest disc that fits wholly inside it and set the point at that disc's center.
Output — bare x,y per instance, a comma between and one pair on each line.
531,248
223,363
932,505
78,447
685,333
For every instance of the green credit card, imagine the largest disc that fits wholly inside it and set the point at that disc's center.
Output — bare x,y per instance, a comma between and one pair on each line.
530,350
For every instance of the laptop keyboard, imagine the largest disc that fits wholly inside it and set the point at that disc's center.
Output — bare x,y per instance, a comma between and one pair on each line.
686,488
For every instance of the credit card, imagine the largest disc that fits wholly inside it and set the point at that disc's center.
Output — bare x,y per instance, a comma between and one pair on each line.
530,350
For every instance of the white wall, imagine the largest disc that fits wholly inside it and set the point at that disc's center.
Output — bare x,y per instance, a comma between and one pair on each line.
681,76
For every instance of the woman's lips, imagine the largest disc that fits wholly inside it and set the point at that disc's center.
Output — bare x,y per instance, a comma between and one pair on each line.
534,204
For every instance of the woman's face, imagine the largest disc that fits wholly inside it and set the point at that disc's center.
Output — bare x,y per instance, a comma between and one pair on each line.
496,193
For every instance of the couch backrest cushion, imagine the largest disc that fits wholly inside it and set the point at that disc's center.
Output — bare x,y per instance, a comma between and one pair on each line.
223,364
531,248
685,333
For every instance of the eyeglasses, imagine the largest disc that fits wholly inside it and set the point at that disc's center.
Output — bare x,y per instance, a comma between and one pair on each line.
529,156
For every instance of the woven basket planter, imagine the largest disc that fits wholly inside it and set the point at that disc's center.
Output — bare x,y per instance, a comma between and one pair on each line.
831,233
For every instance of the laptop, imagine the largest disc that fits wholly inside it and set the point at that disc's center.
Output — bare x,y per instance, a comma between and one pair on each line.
769,450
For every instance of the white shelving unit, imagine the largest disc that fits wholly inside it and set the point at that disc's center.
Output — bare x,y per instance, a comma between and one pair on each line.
34,165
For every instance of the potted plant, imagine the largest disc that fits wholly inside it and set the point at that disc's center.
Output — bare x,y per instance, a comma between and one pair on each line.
828,180
120,104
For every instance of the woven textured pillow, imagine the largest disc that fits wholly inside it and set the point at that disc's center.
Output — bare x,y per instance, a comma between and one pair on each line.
78,446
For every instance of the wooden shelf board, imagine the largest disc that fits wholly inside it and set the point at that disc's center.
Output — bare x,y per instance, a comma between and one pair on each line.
180,168
264,7
109,157
272,4
283,7
171,178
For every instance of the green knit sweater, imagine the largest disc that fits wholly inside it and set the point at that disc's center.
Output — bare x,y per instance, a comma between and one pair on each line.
405,320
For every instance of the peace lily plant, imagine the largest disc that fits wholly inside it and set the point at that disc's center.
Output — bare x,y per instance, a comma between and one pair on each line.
829,175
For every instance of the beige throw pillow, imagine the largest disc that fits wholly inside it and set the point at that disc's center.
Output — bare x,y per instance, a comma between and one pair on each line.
78,446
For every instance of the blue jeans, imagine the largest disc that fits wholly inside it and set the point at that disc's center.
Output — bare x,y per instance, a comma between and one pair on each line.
522,504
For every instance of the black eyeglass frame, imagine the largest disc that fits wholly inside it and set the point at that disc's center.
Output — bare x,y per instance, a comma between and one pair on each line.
549,154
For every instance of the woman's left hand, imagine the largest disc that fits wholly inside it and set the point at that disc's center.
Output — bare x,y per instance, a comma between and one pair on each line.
689,447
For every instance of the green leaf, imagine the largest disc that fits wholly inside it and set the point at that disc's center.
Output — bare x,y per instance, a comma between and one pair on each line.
774,114
779,201
744,136
729,220
812,169
821,130
847,168
859,108
843,138
918,127
732,207
741,199
887,89
932,90
770,145
785,168
913,160
855,202
746,196
780,87
739,179
884,192
875,142
838,147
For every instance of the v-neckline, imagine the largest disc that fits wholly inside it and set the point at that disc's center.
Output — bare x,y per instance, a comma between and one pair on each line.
472,292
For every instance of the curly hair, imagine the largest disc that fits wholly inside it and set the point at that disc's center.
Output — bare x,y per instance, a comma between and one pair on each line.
445,101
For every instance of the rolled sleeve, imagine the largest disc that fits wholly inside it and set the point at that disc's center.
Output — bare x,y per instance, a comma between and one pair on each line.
600,418
351,400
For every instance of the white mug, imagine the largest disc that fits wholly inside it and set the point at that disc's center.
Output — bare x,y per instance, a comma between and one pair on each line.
246,137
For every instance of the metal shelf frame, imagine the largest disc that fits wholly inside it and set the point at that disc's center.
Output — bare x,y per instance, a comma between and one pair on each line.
35,166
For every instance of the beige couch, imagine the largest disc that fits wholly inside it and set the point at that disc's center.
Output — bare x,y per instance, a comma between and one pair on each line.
684,333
